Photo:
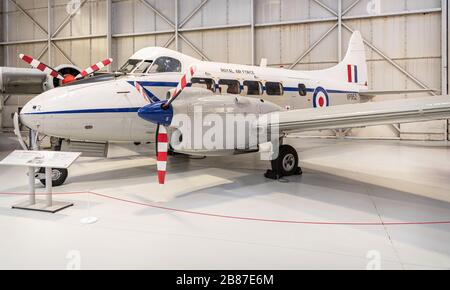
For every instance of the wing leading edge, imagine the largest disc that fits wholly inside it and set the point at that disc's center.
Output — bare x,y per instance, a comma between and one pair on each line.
359,115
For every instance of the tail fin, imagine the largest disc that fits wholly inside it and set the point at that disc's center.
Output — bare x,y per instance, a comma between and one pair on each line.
353,69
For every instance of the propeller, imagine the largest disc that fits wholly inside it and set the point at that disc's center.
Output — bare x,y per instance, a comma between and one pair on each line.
41,66
161,114
162,139
68,78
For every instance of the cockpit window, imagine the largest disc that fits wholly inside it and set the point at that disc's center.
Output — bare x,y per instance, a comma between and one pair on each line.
165,64
143,67
130,66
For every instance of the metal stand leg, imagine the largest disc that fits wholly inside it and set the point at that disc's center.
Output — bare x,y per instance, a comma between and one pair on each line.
33,204
31,184
48,186
47,205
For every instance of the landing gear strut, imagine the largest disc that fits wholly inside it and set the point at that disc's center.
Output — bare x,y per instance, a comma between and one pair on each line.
285,165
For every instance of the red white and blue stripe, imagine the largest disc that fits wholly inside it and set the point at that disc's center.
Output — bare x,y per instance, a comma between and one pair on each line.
352,73
141,91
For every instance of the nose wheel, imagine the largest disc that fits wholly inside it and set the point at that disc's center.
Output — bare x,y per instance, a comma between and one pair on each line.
286,164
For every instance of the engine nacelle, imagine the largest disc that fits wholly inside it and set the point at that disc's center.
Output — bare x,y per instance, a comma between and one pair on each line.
31,81
64,69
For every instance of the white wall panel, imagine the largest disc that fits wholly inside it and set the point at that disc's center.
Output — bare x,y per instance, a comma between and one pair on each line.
21,27
268,44
239,12
30,49
238,51
210,14
215,45
185,8
268,11
143,19
197,39
123,14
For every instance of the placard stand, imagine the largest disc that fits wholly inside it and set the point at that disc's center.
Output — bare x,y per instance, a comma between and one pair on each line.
39,159
47,205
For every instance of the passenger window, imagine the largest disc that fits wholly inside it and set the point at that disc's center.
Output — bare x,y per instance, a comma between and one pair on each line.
165,64
302,90
274,89
208,84
253,88
231,86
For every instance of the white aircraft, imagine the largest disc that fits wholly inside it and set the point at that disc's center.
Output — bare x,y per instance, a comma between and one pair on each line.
156,85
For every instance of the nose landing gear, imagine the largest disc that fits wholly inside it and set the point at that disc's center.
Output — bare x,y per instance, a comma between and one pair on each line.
285,165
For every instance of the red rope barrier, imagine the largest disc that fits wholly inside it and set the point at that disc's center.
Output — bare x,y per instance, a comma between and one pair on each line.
241,218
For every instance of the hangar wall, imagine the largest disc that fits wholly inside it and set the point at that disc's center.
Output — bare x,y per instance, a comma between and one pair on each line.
404,45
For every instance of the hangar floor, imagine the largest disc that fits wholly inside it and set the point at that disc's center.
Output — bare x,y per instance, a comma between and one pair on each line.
357,201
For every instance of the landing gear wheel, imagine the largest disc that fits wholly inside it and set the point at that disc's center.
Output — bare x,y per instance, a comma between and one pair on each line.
59,176
285,165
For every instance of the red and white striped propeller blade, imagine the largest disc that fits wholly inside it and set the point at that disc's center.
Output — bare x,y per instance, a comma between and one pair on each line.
185,80
41,66
94,68
162,149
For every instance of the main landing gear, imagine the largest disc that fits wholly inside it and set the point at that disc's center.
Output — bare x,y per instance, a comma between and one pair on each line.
285,165
59,176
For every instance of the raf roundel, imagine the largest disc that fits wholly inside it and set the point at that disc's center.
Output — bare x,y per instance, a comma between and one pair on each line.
321,99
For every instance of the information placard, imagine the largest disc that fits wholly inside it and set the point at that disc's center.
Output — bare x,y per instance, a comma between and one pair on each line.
51,159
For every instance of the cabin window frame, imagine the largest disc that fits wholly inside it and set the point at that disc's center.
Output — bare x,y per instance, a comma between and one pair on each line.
204,81
135,63
178,69
302,90
260,88
228,82
144,71
280,87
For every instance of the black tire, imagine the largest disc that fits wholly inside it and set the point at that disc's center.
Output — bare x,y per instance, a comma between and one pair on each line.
59,176
287,162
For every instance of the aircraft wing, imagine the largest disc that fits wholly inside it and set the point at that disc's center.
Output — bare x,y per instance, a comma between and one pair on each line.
21,81
359,115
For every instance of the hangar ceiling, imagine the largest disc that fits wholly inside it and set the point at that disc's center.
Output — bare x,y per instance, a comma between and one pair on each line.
406,40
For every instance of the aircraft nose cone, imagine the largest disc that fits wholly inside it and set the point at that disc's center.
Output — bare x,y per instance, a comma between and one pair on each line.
26,117
156,114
